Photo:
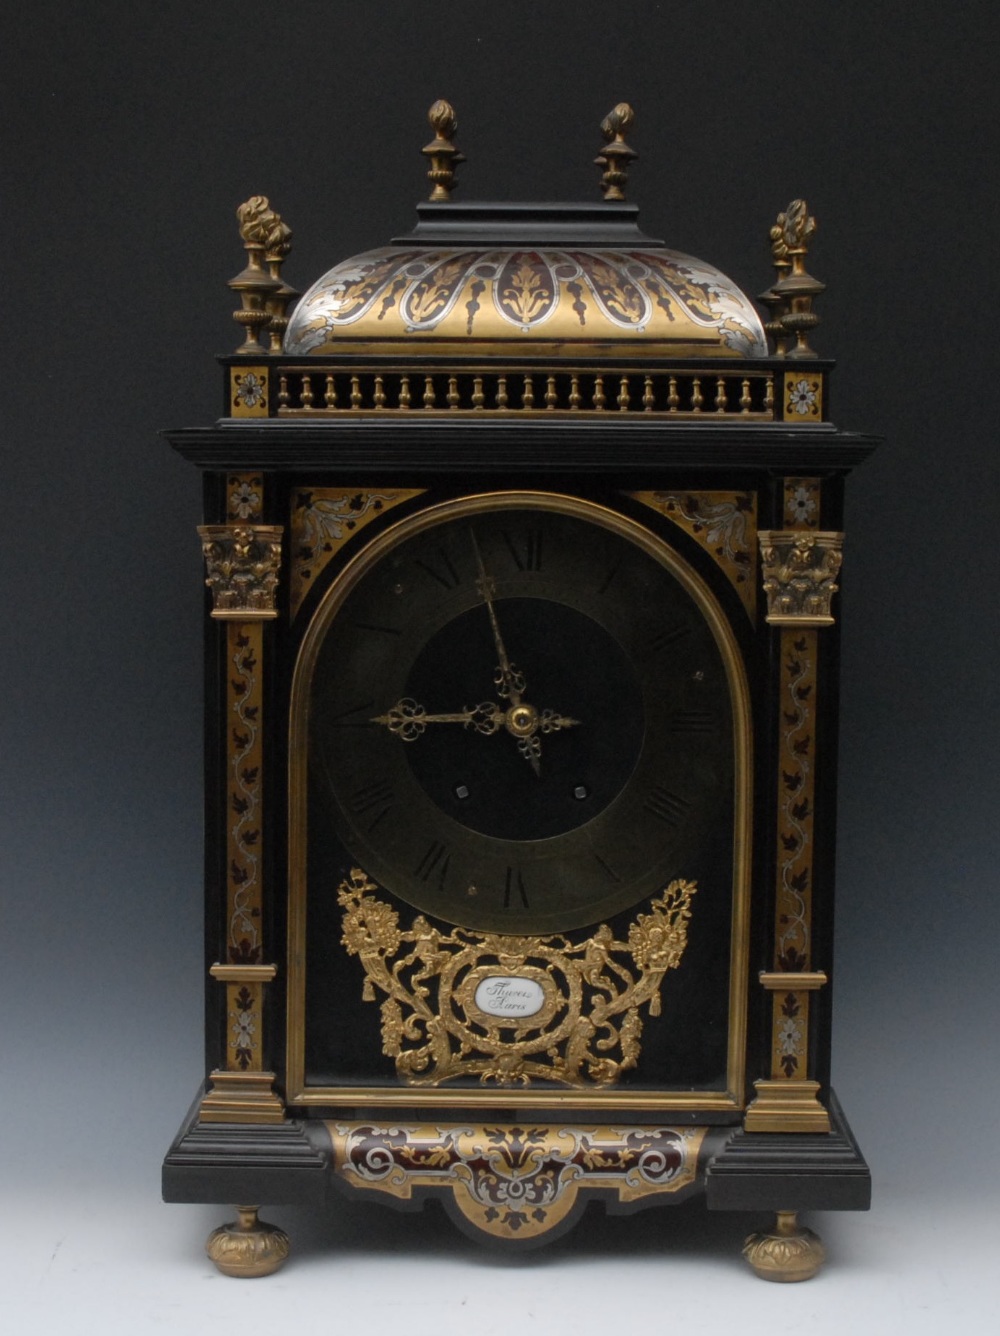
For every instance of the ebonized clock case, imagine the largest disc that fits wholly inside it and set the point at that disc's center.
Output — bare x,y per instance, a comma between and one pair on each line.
521,710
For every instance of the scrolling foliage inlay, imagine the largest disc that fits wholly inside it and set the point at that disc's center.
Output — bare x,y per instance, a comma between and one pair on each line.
323,519
796,804
586,1026
516,1182
724,524
245,758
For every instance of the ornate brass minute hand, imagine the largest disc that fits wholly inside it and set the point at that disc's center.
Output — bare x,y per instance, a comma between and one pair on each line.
521,720
508,679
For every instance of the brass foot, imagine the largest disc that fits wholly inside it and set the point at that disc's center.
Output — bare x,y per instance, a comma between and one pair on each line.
790,1252
247,1246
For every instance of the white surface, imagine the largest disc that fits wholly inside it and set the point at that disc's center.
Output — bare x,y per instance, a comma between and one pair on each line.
128,1264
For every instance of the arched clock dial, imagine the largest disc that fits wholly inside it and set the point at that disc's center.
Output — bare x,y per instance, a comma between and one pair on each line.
520,714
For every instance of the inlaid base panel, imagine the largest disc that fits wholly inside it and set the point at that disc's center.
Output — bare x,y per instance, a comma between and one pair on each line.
520,1184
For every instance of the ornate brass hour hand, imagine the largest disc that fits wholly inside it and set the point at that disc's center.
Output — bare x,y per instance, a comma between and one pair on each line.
408,720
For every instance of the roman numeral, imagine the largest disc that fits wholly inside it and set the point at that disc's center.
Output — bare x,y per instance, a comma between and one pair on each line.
608,870
693,721
374,626
374,801
527,554
439,567
514,885
343,717
434,864
665,636
610,572
666,806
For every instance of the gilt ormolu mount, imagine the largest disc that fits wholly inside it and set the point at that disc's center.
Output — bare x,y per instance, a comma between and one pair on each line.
522,540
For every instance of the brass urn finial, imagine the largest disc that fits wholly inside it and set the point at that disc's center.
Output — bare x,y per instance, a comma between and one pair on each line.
442,152
277,246
795,289
617,155
770,297
254,284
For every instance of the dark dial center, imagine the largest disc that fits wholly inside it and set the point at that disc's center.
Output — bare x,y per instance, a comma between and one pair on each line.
580,714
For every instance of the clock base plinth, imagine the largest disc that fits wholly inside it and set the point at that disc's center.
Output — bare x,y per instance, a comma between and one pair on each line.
515,1185
247,1246
789,1252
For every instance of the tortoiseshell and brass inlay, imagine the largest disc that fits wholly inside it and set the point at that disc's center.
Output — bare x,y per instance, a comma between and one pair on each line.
515,1182
242,1092
788,1100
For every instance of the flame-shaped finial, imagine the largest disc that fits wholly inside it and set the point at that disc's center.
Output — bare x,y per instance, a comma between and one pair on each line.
442,152
254,284
617,155
795,289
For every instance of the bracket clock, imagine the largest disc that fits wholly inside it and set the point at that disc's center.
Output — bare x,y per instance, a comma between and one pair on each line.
522,536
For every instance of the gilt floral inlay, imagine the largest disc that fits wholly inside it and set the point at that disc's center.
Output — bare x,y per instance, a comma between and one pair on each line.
803,397
250,389
244,702
516,1182
244,497
469,292
243,1005
796,814
725,524
323,519
587,1030
801,503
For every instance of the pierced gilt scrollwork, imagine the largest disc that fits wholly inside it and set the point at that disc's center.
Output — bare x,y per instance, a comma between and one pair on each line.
800,570
452,1006
242,561
516,1182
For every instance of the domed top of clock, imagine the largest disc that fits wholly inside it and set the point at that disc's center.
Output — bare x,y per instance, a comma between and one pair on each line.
479,290
500,278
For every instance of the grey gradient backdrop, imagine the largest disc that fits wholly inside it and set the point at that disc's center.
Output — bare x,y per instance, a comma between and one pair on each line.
131,132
